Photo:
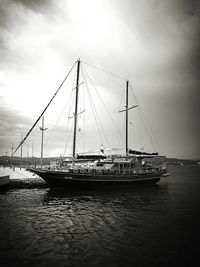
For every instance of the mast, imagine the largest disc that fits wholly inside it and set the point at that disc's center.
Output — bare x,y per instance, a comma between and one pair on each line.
6,151
76,107
12,148
32,155
126,110
126,117
44,110
21,154
27,153
42,129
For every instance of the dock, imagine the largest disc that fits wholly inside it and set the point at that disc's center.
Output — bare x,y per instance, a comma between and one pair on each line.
16,178
26,183
4,181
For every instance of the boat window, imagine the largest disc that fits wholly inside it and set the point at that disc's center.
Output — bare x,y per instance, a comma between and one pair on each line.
100,163
115,165
132,165
121,166
126,165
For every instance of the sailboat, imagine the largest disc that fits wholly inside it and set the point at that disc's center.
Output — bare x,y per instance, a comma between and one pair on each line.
130,168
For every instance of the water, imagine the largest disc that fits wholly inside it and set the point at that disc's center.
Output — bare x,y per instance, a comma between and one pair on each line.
143,226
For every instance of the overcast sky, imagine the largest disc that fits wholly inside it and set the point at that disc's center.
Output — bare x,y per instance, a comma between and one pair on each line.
153,43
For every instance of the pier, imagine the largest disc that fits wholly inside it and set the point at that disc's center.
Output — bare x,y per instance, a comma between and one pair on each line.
4,180
14,178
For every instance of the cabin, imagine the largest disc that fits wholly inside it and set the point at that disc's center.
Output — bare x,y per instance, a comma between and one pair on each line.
121,165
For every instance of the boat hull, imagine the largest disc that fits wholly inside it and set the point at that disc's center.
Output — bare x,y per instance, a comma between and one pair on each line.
61,178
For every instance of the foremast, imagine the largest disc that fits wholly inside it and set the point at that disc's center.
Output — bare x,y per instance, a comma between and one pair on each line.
76,107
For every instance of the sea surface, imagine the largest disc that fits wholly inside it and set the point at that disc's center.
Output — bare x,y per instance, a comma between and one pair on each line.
149,225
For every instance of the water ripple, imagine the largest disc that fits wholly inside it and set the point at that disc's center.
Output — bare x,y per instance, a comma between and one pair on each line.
115,227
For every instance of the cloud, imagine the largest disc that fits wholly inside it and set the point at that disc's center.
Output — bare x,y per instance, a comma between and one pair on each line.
12,125
153,43
44,6
167,32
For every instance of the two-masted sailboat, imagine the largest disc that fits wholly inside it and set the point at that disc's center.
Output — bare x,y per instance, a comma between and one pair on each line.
85,170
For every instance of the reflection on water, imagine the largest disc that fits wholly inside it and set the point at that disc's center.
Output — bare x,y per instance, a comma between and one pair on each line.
142,226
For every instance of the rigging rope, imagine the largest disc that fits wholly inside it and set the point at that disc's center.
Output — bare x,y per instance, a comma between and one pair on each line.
149,130
103,102
55,125
140,113
121,137
60,115
110,73
96,117
44,109
68,119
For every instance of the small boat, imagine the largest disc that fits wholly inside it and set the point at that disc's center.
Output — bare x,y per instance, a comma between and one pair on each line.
131,168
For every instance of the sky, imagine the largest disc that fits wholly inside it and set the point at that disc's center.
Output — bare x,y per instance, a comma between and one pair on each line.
155,44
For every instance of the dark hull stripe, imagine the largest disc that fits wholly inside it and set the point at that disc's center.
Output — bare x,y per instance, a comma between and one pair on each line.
77,183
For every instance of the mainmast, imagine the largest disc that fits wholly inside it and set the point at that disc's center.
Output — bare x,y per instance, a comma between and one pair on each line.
126,110
76,107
